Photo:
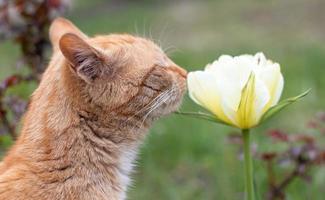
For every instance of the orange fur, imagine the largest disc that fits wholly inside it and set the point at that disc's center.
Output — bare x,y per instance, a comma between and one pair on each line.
87,118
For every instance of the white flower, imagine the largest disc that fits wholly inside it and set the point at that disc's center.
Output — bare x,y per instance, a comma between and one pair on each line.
238,90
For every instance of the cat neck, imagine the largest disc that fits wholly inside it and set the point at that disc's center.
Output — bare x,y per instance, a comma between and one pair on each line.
112,151
84,157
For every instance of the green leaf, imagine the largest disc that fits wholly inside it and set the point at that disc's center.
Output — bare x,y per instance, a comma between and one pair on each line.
202,115
277,108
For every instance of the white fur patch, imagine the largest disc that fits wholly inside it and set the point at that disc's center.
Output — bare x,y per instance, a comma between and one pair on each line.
126,163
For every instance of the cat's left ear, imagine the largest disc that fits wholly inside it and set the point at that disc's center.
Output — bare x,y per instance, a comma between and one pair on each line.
85,60
61,26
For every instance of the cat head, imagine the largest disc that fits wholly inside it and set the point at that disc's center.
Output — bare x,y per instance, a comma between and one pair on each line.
117,73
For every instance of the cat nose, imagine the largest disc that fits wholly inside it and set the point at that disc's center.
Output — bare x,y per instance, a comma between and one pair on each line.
182,72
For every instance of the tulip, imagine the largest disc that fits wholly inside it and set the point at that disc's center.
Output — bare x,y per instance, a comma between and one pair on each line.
241,91
237,90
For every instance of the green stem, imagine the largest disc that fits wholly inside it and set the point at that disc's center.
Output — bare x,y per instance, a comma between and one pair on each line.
248,166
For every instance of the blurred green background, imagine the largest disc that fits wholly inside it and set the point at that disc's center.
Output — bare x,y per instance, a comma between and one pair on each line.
184,158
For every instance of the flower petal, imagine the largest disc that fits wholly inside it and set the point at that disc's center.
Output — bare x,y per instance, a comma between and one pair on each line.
254,97
271,76
203,90
246,110
262,97
230,77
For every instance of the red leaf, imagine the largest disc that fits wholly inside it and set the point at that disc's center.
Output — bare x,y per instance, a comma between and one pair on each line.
268,156
10,81
278,135
54,3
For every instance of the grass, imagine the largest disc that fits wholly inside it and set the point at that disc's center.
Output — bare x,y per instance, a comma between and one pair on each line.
183,158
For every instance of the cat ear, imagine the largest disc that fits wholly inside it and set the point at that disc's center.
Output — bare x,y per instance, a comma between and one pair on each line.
61,26
85,60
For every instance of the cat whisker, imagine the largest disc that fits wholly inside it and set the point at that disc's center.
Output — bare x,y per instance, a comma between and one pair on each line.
157,104
153,101
163,31
136,28
144,29
157,100
171,49
150,111
150,33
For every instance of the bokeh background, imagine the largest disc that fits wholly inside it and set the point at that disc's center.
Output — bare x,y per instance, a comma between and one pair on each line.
184,158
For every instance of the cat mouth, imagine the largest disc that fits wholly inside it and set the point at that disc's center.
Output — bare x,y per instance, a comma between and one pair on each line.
169,104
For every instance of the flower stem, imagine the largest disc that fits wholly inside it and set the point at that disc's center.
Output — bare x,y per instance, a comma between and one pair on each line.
248,166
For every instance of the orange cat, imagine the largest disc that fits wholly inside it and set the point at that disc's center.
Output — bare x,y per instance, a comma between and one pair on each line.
87,118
